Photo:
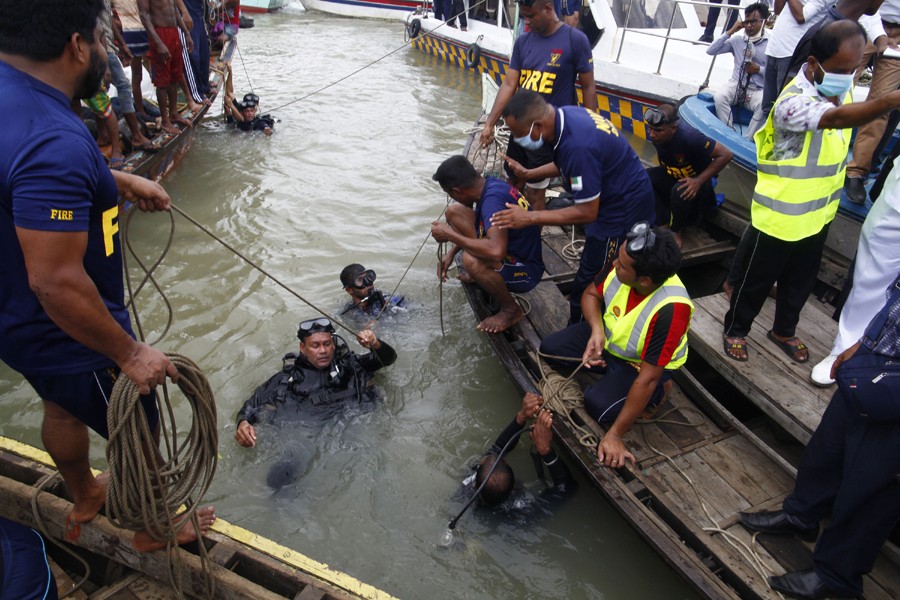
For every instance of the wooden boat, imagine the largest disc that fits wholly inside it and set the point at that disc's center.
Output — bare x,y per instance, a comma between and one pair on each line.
261,6
172,147
702,463
243,564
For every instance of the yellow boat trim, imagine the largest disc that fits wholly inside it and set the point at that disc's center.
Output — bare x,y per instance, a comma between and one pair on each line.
239,534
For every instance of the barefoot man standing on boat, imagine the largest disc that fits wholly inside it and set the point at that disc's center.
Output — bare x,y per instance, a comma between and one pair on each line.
499,260
162,20
63,320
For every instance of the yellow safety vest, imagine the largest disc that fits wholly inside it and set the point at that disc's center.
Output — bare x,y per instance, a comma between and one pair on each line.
626,332
795,198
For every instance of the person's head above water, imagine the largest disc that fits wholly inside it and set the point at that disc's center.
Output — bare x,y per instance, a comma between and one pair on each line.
500,485
317,341
358,281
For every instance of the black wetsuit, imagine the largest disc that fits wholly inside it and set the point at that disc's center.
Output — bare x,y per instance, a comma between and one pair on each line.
376,302
299,386
257,124
561,486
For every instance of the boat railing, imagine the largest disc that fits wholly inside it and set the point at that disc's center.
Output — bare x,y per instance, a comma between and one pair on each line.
668,34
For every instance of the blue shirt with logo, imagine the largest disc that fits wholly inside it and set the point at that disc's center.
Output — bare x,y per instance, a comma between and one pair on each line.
687,154
596,161
550,65
52,178
523,245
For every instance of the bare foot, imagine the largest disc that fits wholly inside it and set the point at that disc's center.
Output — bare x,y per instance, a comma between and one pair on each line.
465,277
139,140
87,507
194,107
177,118
205,516
169,128
502,321
727,288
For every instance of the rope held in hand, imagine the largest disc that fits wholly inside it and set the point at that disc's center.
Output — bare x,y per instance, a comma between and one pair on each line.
147,489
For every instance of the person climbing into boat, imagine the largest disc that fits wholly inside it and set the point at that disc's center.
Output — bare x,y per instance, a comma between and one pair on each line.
245,115
745,88
849,473
609,185
876,264
636,318
64,324
323,375
502,262
365,299
162,20
802,153
547,60
498,487
684,181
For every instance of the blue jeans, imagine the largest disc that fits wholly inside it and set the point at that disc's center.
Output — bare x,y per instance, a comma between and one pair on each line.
121,82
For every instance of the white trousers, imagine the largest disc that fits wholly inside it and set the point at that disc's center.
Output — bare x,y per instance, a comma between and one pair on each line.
724,100
877,264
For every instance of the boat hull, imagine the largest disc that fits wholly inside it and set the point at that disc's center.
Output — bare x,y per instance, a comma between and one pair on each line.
261,6
393,10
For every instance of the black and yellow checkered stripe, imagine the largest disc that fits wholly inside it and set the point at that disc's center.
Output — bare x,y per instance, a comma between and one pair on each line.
626,114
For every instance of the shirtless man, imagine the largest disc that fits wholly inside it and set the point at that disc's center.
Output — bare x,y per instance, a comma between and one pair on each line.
162,20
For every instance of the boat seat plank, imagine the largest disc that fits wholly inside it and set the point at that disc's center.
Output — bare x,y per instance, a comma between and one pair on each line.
549,309
752,469
557,239
732,468
769,379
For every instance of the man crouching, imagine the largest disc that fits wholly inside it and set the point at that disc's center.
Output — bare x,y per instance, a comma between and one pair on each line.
501,261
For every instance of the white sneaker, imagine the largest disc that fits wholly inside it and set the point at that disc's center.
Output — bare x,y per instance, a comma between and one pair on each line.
821,373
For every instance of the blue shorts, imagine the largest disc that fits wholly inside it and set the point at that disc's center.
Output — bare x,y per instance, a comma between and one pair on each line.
86,396
520,277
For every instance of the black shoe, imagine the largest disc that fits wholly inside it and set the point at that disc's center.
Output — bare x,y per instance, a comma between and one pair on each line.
805,584
856,190
778,521
706,38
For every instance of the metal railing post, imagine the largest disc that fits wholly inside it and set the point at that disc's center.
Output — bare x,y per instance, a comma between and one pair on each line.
624,30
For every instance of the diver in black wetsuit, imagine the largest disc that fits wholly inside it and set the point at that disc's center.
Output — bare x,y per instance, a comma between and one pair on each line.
359,283
324,374
244,114
502,481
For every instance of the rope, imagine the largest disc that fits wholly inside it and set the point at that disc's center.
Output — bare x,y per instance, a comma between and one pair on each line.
39,521
440,257
146,489
406,43
241,56
267,274
574,249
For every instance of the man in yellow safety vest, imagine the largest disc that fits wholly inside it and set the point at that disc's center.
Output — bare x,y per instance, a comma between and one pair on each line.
802,157
636,319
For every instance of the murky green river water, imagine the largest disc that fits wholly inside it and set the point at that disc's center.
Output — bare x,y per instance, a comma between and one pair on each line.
346,178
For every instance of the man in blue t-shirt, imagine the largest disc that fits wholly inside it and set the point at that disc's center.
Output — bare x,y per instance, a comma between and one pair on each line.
594,161
547,60
688,162
63,320
498,260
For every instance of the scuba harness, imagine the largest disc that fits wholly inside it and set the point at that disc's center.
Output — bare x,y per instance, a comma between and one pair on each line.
343,379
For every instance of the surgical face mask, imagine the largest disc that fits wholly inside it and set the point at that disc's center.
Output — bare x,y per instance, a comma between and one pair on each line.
834,84
528,143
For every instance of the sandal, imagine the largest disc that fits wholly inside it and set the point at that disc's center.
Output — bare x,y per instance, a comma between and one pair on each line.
148,147
736,344
116,163
792,346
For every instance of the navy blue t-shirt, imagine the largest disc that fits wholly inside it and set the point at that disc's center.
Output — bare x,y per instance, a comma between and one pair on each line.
687,154
52,178
596,161
523,245
550,65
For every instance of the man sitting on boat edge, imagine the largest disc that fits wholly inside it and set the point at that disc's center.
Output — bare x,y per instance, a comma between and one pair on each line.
324,373
501,262
636,318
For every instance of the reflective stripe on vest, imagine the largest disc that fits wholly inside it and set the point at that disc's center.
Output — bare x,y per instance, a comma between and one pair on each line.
626,332
795,198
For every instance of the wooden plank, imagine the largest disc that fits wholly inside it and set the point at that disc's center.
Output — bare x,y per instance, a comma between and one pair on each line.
734,468
144,588
554,264
111,590
765,379
549,309
310,593
64,582
101,537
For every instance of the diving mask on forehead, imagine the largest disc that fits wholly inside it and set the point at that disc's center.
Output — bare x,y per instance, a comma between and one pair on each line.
364,279
311,326
640,239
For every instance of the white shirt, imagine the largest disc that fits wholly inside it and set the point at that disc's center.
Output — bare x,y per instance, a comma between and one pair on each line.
787,31
796,115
